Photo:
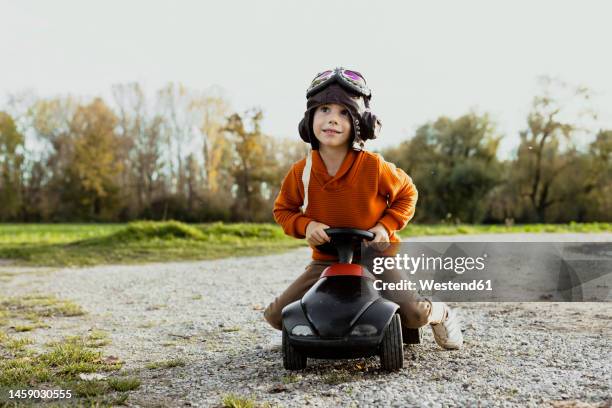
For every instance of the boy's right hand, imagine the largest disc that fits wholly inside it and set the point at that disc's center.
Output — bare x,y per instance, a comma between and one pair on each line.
315,233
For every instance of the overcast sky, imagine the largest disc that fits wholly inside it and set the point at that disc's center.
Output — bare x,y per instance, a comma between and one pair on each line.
421,59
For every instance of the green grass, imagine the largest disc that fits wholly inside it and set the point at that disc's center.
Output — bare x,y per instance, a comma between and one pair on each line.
235,401
64,361
61,245
291,378
124,384
60,364
338,377
230,329
13,345
97,339
24,328
90,388
28,234
177,362
145,241
35,307
414,230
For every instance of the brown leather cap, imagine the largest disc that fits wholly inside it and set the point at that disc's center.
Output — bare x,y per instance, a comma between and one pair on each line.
365,125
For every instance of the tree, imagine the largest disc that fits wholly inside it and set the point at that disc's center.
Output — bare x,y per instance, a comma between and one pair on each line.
49,122
254,166
11,160
180,121
93,172
216,149
547,151
454,166
586,194
141,152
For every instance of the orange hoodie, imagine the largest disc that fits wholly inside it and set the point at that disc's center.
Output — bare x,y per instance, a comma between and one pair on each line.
366,190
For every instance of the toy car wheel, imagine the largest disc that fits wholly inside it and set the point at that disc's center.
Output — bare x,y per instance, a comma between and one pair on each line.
412,336
392,348
292,359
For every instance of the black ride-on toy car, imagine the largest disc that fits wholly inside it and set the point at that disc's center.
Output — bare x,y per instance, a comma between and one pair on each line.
342,315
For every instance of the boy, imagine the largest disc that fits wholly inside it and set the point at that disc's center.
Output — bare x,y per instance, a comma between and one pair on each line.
341,185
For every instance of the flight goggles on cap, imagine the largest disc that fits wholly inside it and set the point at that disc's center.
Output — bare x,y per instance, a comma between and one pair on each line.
352,80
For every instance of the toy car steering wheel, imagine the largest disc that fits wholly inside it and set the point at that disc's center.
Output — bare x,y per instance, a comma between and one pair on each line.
344,241
353,234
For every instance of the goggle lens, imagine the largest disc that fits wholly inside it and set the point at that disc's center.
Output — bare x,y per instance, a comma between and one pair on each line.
323,76
354,76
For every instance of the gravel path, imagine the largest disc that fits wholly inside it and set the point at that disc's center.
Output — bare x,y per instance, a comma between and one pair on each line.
209,313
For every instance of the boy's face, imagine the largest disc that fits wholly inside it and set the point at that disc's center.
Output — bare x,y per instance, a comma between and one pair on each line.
332,125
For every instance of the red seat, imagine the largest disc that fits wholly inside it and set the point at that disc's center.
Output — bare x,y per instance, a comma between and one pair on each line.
343,269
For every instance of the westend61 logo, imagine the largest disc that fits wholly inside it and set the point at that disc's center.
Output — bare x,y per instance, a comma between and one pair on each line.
493,271
413,264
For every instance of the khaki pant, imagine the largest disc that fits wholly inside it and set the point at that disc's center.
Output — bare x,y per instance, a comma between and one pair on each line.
414,310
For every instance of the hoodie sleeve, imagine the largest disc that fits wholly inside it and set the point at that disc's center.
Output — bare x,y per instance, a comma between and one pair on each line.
401,194
287,211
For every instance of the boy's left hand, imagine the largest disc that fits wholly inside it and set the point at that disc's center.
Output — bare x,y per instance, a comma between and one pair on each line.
380,235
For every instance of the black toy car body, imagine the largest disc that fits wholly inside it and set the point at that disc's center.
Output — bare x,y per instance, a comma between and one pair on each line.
342,315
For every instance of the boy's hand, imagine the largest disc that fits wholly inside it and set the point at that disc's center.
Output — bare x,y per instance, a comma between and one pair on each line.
315,233
380,235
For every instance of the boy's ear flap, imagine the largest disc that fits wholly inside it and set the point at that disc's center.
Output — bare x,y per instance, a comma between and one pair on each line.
303,128
372,125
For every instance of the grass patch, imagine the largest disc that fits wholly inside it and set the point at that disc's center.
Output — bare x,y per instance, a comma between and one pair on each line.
124,384
28,234
291,378
97,339
177,362
24,328
90,341
235,401
63,363
146,230
156,307
74,356
90,388
13,345
338,377
121,399
60,368
230,329
23,372
37,306
6,276
139,242
414,230
147,241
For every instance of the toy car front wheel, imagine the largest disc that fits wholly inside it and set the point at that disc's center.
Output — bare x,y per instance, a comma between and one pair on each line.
391,348
292,359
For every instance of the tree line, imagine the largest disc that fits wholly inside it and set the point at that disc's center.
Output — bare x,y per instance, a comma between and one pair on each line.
185,155
180,155
554,177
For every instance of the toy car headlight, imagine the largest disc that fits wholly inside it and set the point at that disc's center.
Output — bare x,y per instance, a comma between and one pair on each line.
364,330
302,330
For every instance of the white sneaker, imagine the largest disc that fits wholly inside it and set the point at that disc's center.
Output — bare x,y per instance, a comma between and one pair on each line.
448,333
